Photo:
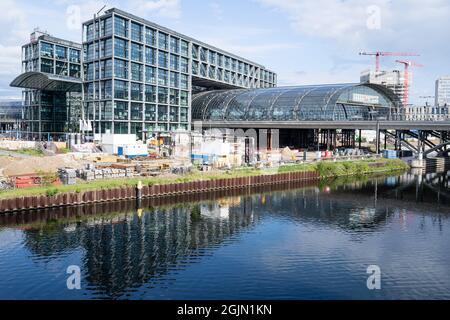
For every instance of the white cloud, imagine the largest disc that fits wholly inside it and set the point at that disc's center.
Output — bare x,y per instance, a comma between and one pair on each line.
165,8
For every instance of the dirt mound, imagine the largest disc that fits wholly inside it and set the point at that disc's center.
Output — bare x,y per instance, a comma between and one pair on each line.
15,166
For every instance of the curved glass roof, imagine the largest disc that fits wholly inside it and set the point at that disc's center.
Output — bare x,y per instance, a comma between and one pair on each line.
45,81
301,103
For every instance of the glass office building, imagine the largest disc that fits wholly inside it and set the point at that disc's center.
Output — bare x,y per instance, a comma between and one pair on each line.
51,78
141,76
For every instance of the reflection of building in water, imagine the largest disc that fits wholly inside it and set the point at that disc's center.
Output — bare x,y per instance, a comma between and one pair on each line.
126,251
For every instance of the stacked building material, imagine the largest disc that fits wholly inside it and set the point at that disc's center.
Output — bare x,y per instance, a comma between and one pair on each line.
67,175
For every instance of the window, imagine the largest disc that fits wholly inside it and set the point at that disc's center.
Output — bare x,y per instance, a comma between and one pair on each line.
60,53
120,69
184,48
46,50
120,89
74,70
106,48
162,113
227,62
150,75
120,110
136,111
150,112
184,98
212,72
106,110
136,91
120,127
107,68
174,80
162,41
150,56
220,60
174,62
120,48
174,45
162,95
120,26
203,54
173,114
162,77
136,32
106,91
174,96
108,26
136,52
61,68
184,81
150,93
136,71
195,52
162,59
150,37
212,57
184,65
184,115
47,66
194,67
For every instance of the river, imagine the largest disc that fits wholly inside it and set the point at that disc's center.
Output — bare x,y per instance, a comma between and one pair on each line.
296,241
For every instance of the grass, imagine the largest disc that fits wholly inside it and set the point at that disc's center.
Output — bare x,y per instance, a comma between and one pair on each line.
28,151
325,168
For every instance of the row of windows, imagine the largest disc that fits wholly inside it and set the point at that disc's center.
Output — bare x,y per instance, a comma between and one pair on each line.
136,112
137,53
149,36
137,92
60,68
153,75
49,50
217,59
137,128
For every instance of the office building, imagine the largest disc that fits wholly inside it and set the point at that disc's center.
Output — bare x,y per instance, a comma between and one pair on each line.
51,80
442,97
141,76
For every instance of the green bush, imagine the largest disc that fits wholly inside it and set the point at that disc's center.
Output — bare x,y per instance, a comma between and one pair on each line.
51,192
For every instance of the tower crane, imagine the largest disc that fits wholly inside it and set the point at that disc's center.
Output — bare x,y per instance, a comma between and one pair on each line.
407,65
379,54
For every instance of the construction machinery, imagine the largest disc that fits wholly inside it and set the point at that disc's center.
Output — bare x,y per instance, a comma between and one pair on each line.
379,54
407,65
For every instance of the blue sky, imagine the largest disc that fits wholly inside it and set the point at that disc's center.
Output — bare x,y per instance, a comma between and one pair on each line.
304,41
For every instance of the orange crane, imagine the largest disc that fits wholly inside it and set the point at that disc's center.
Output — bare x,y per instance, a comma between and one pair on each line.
379,54
407,64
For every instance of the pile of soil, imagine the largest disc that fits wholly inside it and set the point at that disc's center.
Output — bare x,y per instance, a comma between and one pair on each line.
18,166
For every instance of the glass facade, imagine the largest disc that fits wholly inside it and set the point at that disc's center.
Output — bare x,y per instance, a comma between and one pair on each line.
53,113
339,102
152,71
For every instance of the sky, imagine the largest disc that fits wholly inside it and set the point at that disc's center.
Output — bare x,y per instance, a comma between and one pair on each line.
303,41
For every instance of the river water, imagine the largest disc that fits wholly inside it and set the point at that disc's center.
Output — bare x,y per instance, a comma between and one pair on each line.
297,241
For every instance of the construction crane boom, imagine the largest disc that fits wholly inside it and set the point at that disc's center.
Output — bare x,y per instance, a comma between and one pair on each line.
379,54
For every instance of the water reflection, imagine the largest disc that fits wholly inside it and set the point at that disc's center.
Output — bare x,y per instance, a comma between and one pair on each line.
124,248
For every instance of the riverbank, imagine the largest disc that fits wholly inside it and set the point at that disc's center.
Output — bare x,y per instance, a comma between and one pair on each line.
118,189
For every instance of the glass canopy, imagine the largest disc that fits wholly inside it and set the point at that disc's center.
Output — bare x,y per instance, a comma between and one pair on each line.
300,103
